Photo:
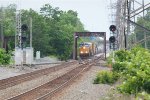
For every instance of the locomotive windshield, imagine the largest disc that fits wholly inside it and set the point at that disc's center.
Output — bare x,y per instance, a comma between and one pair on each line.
84,44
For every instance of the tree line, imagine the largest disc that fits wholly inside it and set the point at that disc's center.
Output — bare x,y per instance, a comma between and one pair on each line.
52,29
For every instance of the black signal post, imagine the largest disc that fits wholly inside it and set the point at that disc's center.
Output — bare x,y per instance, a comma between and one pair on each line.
112,39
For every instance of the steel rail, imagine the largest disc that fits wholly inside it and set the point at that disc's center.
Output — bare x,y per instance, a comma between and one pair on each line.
47,95
9,82
43,91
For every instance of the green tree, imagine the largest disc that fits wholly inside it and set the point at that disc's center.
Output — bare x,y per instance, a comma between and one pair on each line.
52,29
8,19
62,25
40,31
5,58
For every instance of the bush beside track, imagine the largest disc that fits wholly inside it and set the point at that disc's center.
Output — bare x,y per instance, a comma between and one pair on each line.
5,58
133,68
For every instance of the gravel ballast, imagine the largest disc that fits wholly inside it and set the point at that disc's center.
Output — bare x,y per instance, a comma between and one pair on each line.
84,89
26,86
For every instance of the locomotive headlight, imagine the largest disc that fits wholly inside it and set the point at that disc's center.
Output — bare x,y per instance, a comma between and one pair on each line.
81,52
84,47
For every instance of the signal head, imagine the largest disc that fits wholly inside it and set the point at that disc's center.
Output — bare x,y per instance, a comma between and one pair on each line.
24,38
112,39
112,28
24,27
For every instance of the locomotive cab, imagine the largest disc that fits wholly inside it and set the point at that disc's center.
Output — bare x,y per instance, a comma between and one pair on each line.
85,49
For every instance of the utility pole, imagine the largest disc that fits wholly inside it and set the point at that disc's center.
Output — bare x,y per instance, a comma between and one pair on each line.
1,25
30,31
2,35
145,43
124,26
128,23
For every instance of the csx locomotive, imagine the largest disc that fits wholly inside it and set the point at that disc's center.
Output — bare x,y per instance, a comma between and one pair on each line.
87,49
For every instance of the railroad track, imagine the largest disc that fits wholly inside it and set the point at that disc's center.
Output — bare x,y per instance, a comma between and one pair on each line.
47,90
9,82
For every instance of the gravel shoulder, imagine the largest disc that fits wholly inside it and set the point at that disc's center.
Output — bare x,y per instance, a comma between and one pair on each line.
6,72
84,89
13,70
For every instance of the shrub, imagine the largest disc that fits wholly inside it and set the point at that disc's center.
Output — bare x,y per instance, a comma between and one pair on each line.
132,85
146,86
109,59
134,68
106,77
119,66
122,55
143,96
4,57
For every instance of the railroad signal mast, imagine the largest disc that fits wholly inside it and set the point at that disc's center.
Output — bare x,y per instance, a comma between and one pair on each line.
23,54
20,37
113,35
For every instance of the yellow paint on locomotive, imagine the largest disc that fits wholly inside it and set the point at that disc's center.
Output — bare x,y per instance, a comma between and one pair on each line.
87,49
84,50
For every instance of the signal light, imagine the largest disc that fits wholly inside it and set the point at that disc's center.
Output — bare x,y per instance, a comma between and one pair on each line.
112,39
24,38
112,28
24,27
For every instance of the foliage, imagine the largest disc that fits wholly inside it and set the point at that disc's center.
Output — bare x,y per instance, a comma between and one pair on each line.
52,29
106,77
60,27
109,59
132,85
143,96
5,58
119,66
134,68
7,14
121,55
146,86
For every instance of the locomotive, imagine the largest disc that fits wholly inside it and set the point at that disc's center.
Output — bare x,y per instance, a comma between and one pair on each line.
87,49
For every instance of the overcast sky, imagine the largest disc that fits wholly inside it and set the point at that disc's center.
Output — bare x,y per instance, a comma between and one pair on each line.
92,13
